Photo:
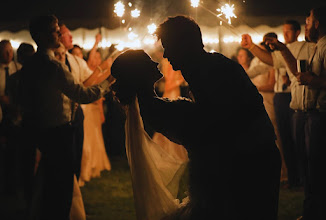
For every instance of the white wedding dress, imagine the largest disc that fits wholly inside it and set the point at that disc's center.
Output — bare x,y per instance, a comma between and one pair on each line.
155,172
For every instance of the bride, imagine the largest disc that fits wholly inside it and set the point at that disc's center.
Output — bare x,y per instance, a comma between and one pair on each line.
155,171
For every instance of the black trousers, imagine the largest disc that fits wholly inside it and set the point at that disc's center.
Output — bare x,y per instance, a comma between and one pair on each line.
55,172
78,140
283,114
310,130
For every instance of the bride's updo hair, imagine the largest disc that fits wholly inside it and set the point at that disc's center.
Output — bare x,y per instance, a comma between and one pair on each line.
129,69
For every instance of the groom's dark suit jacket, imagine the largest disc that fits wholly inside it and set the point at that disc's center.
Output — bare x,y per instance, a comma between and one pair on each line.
229,137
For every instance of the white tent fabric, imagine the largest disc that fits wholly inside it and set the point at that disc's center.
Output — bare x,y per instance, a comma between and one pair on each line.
222,38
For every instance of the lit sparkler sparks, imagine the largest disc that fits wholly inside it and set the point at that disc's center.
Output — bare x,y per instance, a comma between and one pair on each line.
119,8
151,28
227,11
195,3
135,13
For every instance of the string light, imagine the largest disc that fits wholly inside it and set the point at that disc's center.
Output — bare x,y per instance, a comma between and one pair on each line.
194,3
227,11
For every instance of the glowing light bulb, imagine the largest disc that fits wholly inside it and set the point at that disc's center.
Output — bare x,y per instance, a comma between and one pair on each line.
132,36
194,3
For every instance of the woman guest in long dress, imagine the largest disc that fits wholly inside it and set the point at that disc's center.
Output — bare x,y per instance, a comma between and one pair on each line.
263,77
94,158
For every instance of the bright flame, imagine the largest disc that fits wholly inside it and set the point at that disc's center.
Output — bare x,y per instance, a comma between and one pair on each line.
227,11
135,13
119,8
123,21
151,28
194,3
130,4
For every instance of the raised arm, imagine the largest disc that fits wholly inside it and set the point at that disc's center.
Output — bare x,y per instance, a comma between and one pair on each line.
100,73
263,55
77,92
286,53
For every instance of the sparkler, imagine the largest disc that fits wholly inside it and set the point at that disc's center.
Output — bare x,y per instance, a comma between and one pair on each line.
135,13
119,8
227,11
151,28
194,3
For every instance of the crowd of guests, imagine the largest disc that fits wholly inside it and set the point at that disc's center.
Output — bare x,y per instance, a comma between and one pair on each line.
293,94
291,79
20,160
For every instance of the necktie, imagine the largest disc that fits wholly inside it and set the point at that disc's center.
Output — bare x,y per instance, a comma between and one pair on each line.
7,80
68,64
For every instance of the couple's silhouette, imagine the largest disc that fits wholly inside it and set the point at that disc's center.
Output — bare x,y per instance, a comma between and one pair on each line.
234,167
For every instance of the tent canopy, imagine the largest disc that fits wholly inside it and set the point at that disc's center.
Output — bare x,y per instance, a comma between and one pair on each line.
15,14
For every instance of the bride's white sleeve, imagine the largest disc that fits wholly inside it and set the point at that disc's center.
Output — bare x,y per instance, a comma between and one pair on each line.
152,170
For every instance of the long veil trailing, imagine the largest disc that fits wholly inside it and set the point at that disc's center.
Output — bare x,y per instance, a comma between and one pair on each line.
155,172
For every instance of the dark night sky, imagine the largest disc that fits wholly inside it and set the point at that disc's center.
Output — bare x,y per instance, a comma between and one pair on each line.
91,13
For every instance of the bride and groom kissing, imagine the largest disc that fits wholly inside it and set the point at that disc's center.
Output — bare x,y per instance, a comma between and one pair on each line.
234,164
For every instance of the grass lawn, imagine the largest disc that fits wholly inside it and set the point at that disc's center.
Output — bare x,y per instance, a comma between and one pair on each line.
110,196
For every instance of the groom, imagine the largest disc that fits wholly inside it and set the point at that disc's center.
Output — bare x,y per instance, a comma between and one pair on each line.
234,162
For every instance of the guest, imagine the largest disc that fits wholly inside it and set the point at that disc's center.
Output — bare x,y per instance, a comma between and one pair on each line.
286,104
47,116
313,120
24,52
264,78
77,51
88,77
95,158
77,211
9,144
94,56
244,58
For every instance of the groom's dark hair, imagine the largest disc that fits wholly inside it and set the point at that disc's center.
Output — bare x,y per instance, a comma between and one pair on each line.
180,30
